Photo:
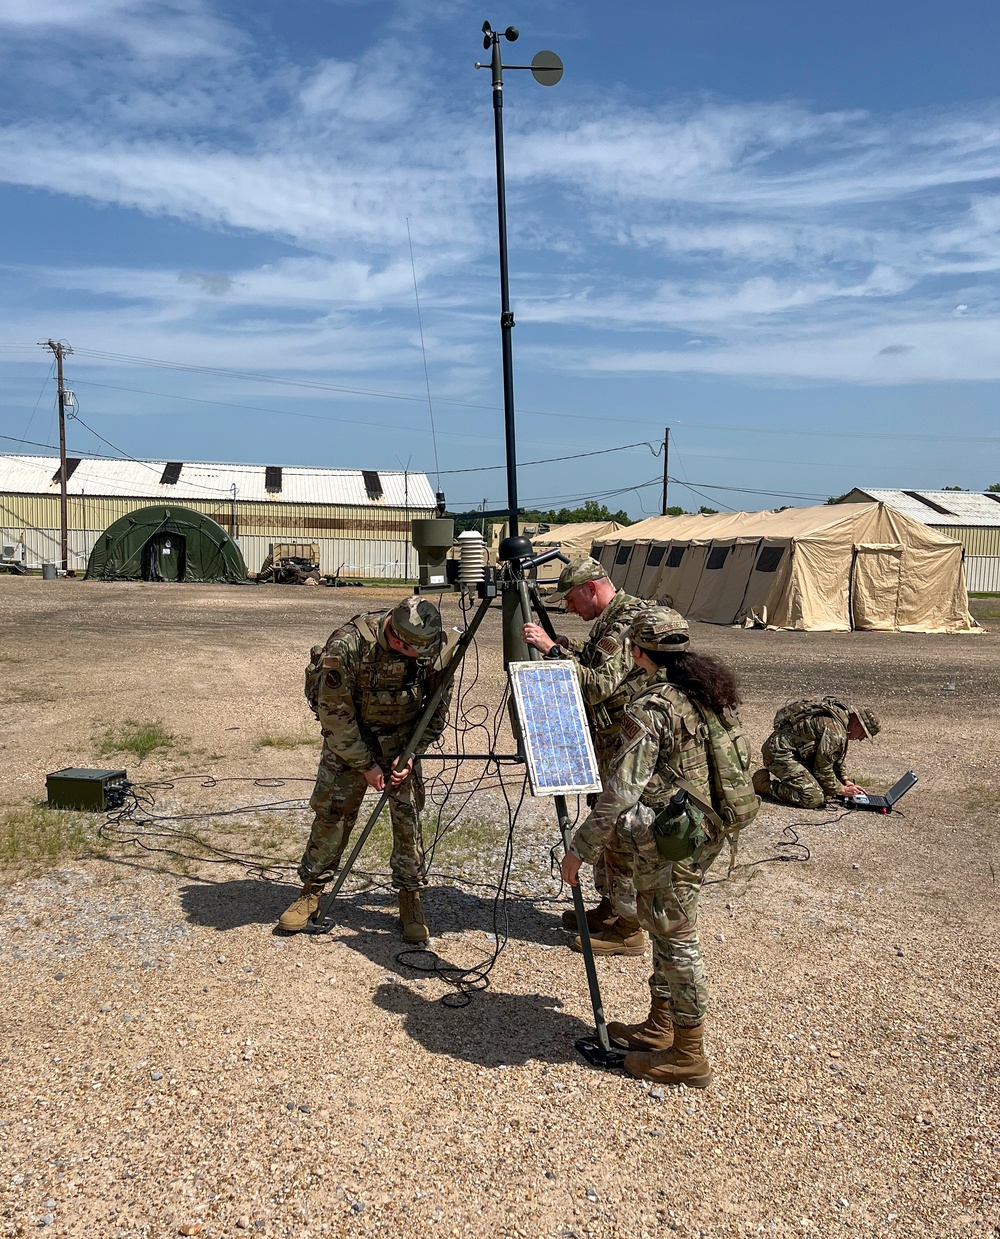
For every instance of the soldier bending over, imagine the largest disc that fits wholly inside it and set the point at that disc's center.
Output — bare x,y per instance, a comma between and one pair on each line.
607,678
368,686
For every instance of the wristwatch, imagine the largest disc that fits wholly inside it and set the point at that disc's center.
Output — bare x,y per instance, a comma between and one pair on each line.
554,651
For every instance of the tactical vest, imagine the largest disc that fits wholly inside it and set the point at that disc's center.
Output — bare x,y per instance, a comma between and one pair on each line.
794,712
389,689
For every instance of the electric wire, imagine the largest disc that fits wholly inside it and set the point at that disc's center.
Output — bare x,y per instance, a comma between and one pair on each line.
423,354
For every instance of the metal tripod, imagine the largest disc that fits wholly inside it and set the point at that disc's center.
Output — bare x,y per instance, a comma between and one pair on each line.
597,1050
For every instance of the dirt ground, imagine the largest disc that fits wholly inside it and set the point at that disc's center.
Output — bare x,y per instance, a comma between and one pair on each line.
170,1066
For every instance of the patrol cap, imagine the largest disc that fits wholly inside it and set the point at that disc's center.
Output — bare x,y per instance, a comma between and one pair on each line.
578,572
868,719
662,629
417,622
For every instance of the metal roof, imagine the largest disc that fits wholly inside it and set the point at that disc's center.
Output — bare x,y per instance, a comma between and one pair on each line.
140,479
960,507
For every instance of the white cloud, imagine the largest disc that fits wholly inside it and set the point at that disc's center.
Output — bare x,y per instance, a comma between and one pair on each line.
149,28
775,234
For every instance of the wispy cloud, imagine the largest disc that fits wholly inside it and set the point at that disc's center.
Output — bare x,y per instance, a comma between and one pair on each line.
786,240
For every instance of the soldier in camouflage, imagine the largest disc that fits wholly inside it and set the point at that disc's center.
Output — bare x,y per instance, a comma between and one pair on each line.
663,738
368,686
607,678
805,753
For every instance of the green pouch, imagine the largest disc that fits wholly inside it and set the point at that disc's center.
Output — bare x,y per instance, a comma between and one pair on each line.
679,830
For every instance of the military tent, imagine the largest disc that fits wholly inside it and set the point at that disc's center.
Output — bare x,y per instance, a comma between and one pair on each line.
830,568
162,543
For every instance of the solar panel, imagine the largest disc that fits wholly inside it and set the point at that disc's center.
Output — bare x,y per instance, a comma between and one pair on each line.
554,727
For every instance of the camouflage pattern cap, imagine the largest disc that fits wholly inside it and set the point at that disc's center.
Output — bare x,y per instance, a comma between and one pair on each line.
417,622
868,719
660,628
578,572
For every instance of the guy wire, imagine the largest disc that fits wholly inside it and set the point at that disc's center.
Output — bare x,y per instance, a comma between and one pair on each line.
423,353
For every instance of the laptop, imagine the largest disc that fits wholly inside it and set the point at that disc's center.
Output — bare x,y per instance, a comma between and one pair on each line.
883,804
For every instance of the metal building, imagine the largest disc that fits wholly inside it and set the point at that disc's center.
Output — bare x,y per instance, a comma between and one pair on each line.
359,517
970,517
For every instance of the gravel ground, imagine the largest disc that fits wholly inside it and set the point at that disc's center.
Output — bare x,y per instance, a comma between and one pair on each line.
169,1066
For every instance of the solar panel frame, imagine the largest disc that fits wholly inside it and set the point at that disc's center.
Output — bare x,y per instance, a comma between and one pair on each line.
554,729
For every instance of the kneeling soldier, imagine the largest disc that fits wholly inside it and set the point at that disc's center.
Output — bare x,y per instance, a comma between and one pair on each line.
805,753
368,686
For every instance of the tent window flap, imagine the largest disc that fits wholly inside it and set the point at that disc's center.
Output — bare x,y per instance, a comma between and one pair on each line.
655,556
769,558
717,557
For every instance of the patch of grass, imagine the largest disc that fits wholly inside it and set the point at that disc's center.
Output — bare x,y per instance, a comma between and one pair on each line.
35,833
134,737
275,740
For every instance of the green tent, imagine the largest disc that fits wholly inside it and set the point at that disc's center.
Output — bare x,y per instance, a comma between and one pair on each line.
166,544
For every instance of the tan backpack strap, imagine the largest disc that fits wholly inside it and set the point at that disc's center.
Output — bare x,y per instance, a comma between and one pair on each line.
696,798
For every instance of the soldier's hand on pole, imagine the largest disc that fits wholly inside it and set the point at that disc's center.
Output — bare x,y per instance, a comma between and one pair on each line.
535,634
571,869
375,778
400,776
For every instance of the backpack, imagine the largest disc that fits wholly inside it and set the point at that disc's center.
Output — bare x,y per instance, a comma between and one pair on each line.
734,803
796,711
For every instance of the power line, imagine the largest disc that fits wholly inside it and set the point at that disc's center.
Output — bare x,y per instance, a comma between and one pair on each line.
522,464
423,354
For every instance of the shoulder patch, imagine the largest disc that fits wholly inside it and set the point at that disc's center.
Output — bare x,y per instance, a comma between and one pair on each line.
630,727
607,645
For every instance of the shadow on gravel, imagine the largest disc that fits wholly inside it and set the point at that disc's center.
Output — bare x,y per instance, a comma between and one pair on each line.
249,901
494,1030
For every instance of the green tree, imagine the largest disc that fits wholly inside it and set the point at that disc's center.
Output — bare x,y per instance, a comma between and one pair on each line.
708,511
994,489
962,488
675,512
838,498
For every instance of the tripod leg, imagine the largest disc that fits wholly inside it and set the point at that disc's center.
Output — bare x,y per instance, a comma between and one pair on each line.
603,1054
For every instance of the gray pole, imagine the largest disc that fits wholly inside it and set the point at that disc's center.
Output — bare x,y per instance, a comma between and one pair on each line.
58,348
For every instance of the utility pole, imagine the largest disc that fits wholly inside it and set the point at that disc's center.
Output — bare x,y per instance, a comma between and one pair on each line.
666,458
60,349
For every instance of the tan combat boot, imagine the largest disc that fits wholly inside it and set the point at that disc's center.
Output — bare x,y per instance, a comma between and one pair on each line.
411,917
656,1032
683,1063
620,938
597,918
762,782
294,919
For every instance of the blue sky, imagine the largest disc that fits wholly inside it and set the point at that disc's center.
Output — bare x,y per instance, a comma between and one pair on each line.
773,226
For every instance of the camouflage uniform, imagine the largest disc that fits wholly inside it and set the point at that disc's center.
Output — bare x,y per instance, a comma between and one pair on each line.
608,678
805,758
661,732
368,700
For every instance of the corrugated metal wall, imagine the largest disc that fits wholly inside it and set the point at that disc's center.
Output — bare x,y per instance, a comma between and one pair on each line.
977,539
355,541
982,574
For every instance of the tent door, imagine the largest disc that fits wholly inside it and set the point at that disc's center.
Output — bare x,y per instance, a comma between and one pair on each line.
875,579
165,557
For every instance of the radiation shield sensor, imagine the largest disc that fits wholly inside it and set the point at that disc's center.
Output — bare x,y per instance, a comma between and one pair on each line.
557,744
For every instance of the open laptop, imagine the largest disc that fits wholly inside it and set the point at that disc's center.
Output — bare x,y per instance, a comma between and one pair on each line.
883,804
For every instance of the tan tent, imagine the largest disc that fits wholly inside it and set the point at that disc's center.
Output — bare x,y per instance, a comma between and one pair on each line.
573,539
829,568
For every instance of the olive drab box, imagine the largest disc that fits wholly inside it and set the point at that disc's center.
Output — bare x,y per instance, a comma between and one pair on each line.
734,802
